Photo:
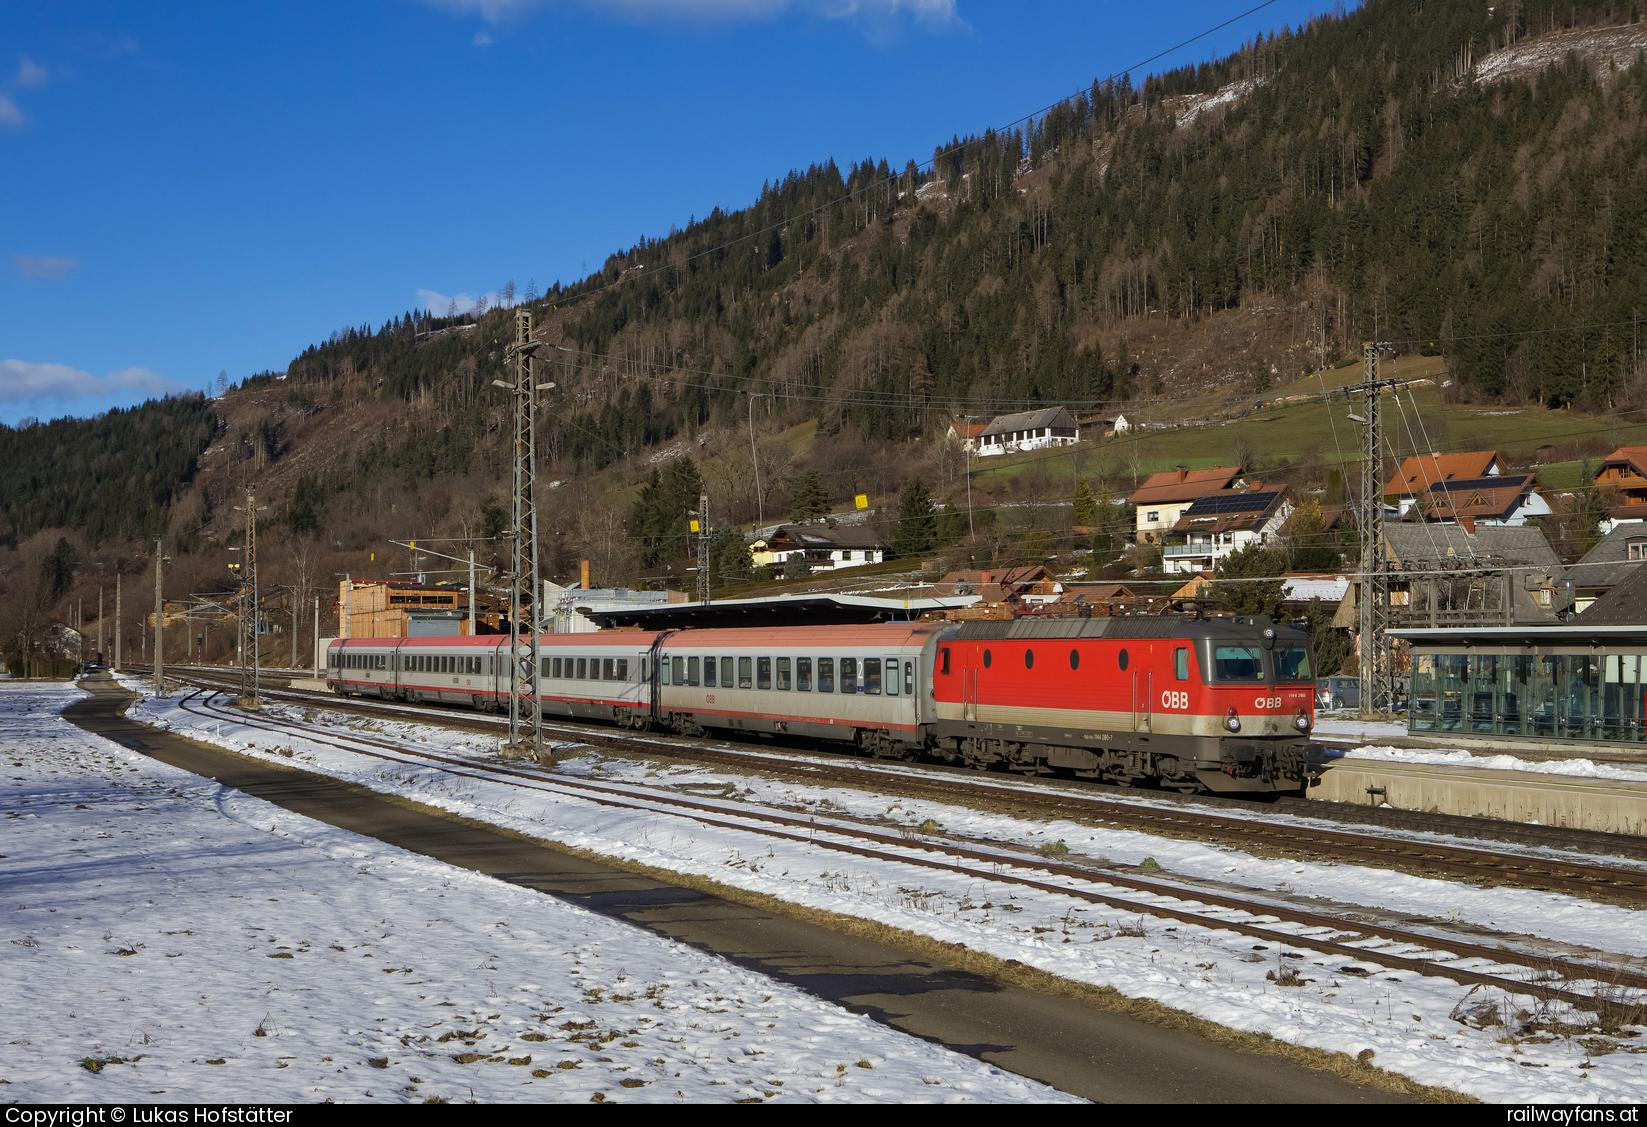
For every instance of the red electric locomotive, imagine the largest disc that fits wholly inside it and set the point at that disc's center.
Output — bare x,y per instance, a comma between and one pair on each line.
1190,704
1202,704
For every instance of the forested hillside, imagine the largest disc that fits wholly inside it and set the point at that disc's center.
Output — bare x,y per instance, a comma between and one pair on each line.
113,477
1356,168
1360,175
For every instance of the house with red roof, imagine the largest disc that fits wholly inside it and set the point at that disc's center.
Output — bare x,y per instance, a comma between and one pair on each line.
1165,496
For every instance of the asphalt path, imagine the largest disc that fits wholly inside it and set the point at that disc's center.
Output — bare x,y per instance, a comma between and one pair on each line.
1064,1042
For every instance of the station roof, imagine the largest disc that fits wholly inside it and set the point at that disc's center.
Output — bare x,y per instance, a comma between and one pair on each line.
1532,635
775,610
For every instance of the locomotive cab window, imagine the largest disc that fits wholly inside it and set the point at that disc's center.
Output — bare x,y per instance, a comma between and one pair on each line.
1292,663
1238,663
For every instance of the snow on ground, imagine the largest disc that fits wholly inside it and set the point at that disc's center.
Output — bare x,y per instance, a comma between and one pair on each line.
1580,768
171,939
1430,1029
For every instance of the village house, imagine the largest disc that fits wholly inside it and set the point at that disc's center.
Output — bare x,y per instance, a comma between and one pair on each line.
1418,474
1164,496
1449,575
1028,430
965,432
818,547
1501,499
1218,525
1623,477
1605,566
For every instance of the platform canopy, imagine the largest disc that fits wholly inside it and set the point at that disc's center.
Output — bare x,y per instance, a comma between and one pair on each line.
776,610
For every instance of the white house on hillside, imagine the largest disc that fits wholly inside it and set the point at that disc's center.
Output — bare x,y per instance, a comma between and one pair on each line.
1217,526
1029,430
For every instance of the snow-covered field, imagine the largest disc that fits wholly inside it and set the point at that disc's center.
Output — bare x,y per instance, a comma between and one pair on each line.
1433,1030
168,939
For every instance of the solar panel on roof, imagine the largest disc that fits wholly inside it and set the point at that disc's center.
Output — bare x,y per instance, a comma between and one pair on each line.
1497,482
1233,503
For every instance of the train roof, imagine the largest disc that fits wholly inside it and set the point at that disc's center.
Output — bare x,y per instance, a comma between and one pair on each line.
1041,629
494,641
867,634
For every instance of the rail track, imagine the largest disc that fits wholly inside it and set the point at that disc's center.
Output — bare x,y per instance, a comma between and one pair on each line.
1497,866
1617,990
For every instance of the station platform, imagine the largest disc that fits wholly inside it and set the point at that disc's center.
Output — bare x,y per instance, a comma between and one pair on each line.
1571,801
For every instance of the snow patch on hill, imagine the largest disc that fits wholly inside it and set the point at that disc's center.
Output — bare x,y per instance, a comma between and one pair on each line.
1608,51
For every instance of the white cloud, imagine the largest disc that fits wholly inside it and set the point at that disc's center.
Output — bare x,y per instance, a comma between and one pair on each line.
492,11
482,39
876,13
11,117
24,380
30,74
51,267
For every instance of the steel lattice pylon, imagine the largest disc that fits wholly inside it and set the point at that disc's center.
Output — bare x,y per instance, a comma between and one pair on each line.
525,714
1374,608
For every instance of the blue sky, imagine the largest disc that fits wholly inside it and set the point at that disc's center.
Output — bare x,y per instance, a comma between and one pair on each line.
191,188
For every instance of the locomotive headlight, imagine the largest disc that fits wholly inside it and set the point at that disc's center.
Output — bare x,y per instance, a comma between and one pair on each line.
1302,720
1232,721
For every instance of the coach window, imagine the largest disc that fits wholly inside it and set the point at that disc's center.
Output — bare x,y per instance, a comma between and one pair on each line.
1180,663
783,674
872,676
763,673
623,669
826,674
891,676
609,666
543,667
691,671
803,675
726,673
746,673
849,674
554,667
909,677
709,673
677,671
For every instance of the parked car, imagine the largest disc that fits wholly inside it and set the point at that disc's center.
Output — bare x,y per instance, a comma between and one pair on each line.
1335,693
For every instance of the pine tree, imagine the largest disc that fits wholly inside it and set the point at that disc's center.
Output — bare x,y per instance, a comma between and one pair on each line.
808,499
1086,506
917,532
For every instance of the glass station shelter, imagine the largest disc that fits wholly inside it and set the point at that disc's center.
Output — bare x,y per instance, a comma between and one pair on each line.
1587,684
